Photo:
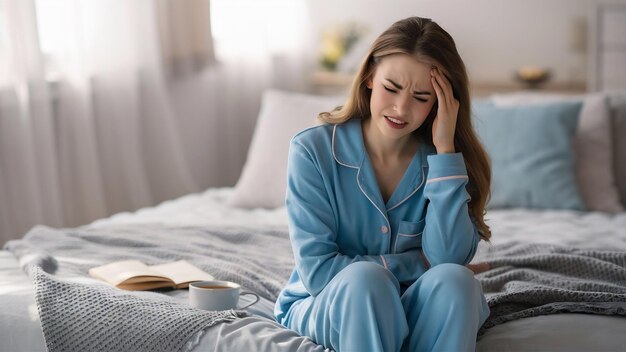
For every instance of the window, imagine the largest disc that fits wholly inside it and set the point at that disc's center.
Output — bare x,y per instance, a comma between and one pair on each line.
252,27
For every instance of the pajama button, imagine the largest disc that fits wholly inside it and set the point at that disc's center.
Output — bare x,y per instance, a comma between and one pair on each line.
384,229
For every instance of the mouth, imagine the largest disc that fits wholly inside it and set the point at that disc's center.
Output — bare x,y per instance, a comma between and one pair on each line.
395,123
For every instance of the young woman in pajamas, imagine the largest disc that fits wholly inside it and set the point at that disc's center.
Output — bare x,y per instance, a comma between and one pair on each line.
386,203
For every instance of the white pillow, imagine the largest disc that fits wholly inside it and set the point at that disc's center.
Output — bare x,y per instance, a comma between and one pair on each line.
263,180
593,146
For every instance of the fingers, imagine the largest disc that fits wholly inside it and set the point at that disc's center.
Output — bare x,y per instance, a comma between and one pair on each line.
444,86
479,267
444,123
438,88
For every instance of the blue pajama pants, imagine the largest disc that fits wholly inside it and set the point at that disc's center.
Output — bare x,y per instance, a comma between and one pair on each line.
362,309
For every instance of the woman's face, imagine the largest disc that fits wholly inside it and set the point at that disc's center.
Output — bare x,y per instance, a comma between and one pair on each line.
402,95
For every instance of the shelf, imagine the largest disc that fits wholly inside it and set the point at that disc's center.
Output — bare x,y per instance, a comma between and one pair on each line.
329,78
485,89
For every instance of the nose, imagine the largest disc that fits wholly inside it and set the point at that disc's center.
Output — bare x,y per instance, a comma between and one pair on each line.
401,104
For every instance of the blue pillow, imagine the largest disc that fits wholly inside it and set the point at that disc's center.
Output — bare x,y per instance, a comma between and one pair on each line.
531,154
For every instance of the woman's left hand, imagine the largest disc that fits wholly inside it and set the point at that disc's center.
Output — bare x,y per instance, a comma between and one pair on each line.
447,111
479,267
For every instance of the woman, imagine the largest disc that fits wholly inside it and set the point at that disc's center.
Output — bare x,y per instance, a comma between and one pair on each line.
386,203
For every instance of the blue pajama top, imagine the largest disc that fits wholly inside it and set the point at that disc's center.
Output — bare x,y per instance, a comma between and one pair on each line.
337,215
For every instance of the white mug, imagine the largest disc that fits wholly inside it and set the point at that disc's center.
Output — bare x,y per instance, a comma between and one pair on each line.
217,295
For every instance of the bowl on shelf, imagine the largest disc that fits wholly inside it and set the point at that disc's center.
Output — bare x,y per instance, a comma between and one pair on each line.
532,76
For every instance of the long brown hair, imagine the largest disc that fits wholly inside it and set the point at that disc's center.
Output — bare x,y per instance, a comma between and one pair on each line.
428,42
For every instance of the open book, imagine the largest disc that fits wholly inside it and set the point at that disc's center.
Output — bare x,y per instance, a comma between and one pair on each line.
135,275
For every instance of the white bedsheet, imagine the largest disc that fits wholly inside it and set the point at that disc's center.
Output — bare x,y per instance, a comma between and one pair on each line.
563,332
581,229
584,229
199,209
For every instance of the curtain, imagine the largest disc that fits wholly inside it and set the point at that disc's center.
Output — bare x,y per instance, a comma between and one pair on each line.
185,36
108,106
257,45
87,125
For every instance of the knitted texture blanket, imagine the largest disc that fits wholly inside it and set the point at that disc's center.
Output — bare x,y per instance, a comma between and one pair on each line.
529,279
79,313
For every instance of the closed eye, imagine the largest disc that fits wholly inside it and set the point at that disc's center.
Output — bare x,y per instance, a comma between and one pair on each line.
395,91
389,89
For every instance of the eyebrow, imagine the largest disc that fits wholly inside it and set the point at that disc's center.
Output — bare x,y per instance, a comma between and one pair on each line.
400,87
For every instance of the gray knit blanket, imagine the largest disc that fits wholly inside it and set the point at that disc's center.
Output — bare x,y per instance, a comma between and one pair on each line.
529,279
79,313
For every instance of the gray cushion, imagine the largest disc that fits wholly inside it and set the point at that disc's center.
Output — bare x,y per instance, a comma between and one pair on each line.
617,102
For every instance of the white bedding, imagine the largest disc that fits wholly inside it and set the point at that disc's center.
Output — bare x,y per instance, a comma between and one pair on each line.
562,332
584,229
208,207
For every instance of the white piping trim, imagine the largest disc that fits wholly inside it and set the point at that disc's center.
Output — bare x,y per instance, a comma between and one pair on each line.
412,193
445,178
384,262
335,156
371,201
361,188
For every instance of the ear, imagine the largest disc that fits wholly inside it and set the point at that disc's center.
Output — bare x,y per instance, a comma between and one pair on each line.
369,84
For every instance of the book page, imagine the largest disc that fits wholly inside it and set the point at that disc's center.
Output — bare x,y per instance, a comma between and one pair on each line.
141,286
118,272
182,272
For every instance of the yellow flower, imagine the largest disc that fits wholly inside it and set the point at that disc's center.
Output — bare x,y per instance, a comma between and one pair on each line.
336,42
332,47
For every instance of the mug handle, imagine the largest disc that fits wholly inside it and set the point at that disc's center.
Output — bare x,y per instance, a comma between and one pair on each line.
249,293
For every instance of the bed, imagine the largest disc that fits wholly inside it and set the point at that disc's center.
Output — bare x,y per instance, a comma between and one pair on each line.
240,234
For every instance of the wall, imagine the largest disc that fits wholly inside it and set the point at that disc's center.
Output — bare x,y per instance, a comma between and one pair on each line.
494,37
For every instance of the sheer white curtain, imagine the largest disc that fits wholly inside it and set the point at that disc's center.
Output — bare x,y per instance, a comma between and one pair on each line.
100,135
109,105
258,45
